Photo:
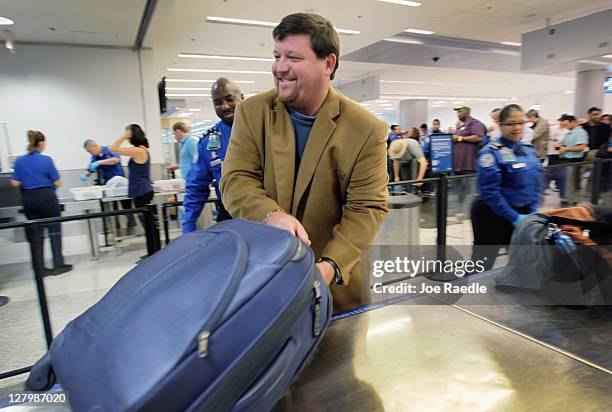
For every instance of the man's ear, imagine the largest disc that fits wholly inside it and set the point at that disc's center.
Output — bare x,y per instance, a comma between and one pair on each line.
330,63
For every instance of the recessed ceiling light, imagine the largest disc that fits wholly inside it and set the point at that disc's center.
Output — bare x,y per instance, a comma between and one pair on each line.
187,88
220,71
511,43
401,81
418,31
221,57
402,2
259,23
399,40
187,95
205,81
5,21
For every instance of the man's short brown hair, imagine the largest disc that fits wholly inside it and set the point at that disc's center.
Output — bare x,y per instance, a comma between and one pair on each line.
180,126
324,39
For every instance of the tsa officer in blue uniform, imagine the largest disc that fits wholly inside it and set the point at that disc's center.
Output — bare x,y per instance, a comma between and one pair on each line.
36,176
212,146
108,165
509,176
103,161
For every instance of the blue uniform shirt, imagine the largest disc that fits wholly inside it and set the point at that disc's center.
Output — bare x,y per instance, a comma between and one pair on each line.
107,172
509,175
211,152
35,171
188,155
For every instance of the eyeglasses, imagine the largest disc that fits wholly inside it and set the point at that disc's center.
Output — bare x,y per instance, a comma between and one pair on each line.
510,124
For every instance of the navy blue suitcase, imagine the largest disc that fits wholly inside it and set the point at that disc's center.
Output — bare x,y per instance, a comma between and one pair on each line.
219,320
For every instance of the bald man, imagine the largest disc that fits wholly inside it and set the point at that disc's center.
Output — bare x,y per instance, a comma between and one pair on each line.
225,94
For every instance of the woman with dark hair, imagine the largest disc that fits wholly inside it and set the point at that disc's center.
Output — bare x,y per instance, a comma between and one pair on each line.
509,176
139,167
36,176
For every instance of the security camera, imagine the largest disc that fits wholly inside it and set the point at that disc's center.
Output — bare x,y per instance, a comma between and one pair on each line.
435,59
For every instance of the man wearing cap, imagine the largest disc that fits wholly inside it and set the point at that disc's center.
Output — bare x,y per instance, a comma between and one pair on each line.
541,133
571,150
402,151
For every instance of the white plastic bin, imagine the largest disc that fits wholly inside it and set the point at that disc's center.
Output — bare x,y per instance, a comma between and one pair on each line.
87,193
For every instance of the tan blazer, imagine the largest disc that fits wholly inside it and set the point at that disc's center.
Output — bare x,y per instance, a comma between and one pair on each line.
339,193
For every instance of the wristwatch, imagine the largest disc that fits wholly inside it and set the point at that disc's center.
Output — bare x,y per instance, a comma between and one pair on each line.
337,274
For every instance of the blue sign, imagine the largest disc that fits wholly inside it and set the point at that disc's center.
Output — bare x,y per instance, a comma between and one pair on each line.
441,152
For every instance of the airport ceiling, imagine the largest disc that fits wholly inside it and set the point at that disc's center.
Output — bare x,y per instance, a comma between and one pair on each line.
180,26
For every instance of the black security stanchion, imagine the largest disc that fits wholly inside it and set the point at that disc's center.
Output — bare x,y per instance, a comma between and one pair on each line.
151,224
36,239
441,209
596,181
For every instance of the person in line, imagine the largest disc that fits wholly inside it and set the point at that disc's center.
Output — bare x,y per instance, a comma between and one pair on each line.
541,133
509,176
394,134
435,126
140,188
35,174
493,130
572,150
107,165
212,149
188,153
403,152
309,160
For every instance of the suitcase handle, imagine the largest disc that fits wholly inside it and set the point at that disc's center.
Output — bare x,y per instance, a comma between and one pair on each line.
265,384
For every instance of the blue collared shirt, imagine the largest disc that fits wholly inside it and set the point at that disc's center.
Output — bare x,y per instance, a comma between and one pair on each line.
35,170
206,170
509,175
107,172
188,155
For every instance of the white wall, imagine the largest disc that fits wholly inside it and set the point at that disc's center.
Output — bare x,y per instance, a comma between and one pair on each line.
75,93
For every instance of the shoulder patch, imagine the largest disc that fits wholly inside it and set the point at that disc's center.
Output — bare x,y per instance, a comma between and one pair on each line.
486,160
495,145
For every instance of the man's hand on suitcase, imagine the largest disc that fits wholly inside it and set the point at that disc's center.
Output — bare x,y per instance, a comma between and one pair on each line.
327,271
285,221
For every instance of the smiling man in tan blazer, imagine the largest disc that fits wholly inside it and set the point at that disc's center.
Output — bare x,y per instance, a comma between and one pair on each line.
307,159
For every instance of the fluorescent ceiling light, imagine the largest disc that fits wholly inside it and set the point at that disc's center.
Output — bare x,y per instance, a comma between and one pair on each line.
382,101
407,41
568,92
221,57
195,110
402,2
365,104
259,23
607,56
187,88
484,99
184,114
388,108
440,102
592,62
417,31
507,52
378,114
511,43
187,95
459,102
205,81
220,71
386,105
402,81
4,21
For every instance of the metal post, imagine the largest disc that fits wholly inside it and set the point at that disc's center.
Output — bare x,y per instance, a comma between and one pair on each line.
596,181
93,238
152,229
104,229
441,209
165,223
36,239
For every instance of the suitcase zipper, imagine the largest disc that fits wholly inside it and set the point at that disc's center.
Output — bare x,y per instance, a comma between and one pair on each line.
203,337
261,355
